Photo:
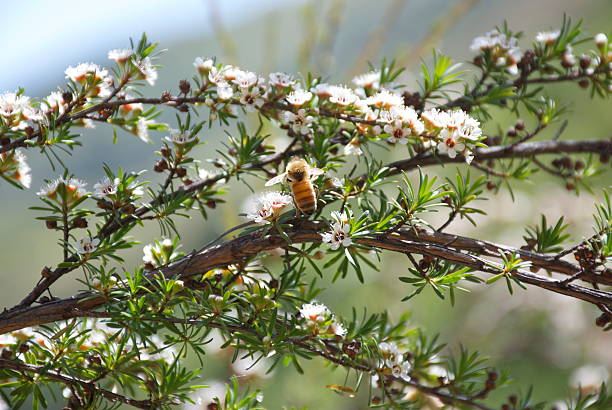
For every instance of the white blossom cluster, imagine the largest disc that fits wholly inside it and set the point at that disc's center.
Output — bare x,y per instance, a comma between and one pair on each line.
393,120
17,112
159,253
457,132
266,207
109,189
73,188
503,49
393,359
320,320
99,334
13,166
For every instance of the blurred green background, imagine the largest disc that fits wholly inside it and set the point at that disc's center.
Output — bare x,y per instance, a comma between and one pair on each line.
539,337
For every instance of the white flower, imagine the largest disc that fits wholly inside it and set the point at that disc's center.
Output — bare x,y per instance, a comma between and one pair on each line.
495,40
147,70
87,245
159,252
450,144
142,129
299,97
300,122
230,73
390,353
54,103
106,187
120,55
341,217
23,170
180,138
83,71
397,132
339,235
368,80
281,80
315,313
13,104
322,90
589,378
385,99
75,189
337,329
203,66
133,108
251,367
245,79
401,370
224,91
266,206
13,165
547,37
434,119
601,40
252,99
7,339
353,147
205,174
216,76
342,95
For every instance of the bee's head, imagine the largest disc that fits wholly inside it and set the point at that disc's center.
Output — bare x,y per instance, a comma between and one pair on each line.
296,170
295,175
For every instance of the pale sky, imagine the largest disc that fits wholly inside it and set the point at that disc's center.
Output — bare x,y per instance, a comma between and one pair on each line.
38,37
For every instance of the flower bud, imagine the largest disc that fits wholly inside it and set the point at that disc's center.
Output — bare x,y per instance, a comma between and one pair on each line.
80,223
51,224
166,96
160,166
129,209
67,97
181,172
165,152
601,40
584,83
184,86
520,125
585,62
23,348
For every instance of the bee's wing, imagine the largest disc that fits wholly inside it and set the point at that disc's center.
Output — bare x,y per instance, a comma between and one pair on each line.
277,179
315,172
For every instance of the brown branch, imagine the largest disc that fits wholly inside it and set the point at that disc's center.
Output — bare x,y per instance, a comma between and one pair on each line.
520,83
43,371
523,150
236,250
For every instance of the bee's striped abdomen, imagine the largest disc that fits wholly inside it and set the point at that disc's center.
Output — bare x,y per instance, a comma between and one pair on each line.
304,196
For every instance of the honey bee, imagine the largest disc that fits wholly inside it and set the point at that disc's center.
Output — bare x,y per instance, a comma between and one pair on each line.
299,175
